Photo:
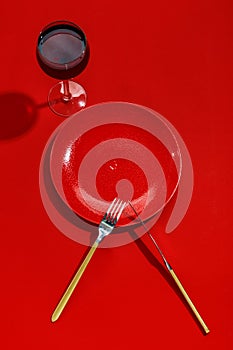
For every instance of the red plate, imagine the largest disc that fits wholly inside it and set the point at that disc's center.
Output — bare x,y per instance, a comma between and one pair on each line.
113,150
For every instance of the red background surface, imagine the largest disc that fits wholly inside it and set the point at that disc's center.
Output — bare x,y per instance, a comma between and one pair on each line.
174,57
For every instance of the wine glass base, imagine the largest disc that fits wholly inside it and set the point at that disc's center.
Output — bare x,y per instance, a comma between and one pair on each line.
64,106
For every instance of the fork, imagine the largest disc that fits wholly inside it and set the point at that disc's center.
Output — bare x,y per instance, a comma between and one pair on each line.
106,226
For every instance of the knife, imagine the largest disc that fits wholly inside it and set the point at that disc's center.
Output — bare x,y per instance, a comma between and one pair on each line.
174,276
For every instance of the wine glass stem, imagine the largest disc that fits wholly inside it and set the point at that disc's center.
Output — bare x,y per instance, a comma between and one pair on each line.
66,91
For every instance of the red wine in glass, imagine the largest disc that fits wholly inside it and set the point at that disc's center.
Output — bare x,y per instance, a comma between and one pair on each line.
62,53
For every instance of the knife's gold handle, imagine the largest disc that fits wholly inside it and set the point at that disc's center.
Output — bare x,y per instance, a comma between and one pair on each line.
189,301
66,296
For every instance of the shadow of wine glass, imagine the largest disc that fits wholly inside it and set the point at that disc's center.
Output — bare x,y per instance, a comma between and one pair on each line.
18,114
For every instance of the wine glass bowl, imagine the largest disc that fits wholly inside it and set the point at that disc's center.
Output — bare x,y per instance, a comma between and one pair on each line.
63,53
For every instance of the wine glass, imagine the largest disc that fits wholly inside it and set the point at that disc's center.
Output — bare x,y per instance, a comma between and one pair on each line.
62,53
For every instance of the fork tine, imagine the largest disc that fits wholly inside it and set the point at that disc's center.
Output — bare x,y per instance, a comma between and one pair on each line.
116,211
111,205
121,210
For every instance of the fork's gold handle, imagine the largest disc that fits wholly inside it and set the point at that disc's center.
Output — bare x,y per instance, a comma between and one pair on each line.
189,301
66,296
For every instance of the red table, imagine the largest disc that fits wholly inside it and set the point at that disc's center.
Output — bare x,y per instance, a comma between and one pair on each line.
176,58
